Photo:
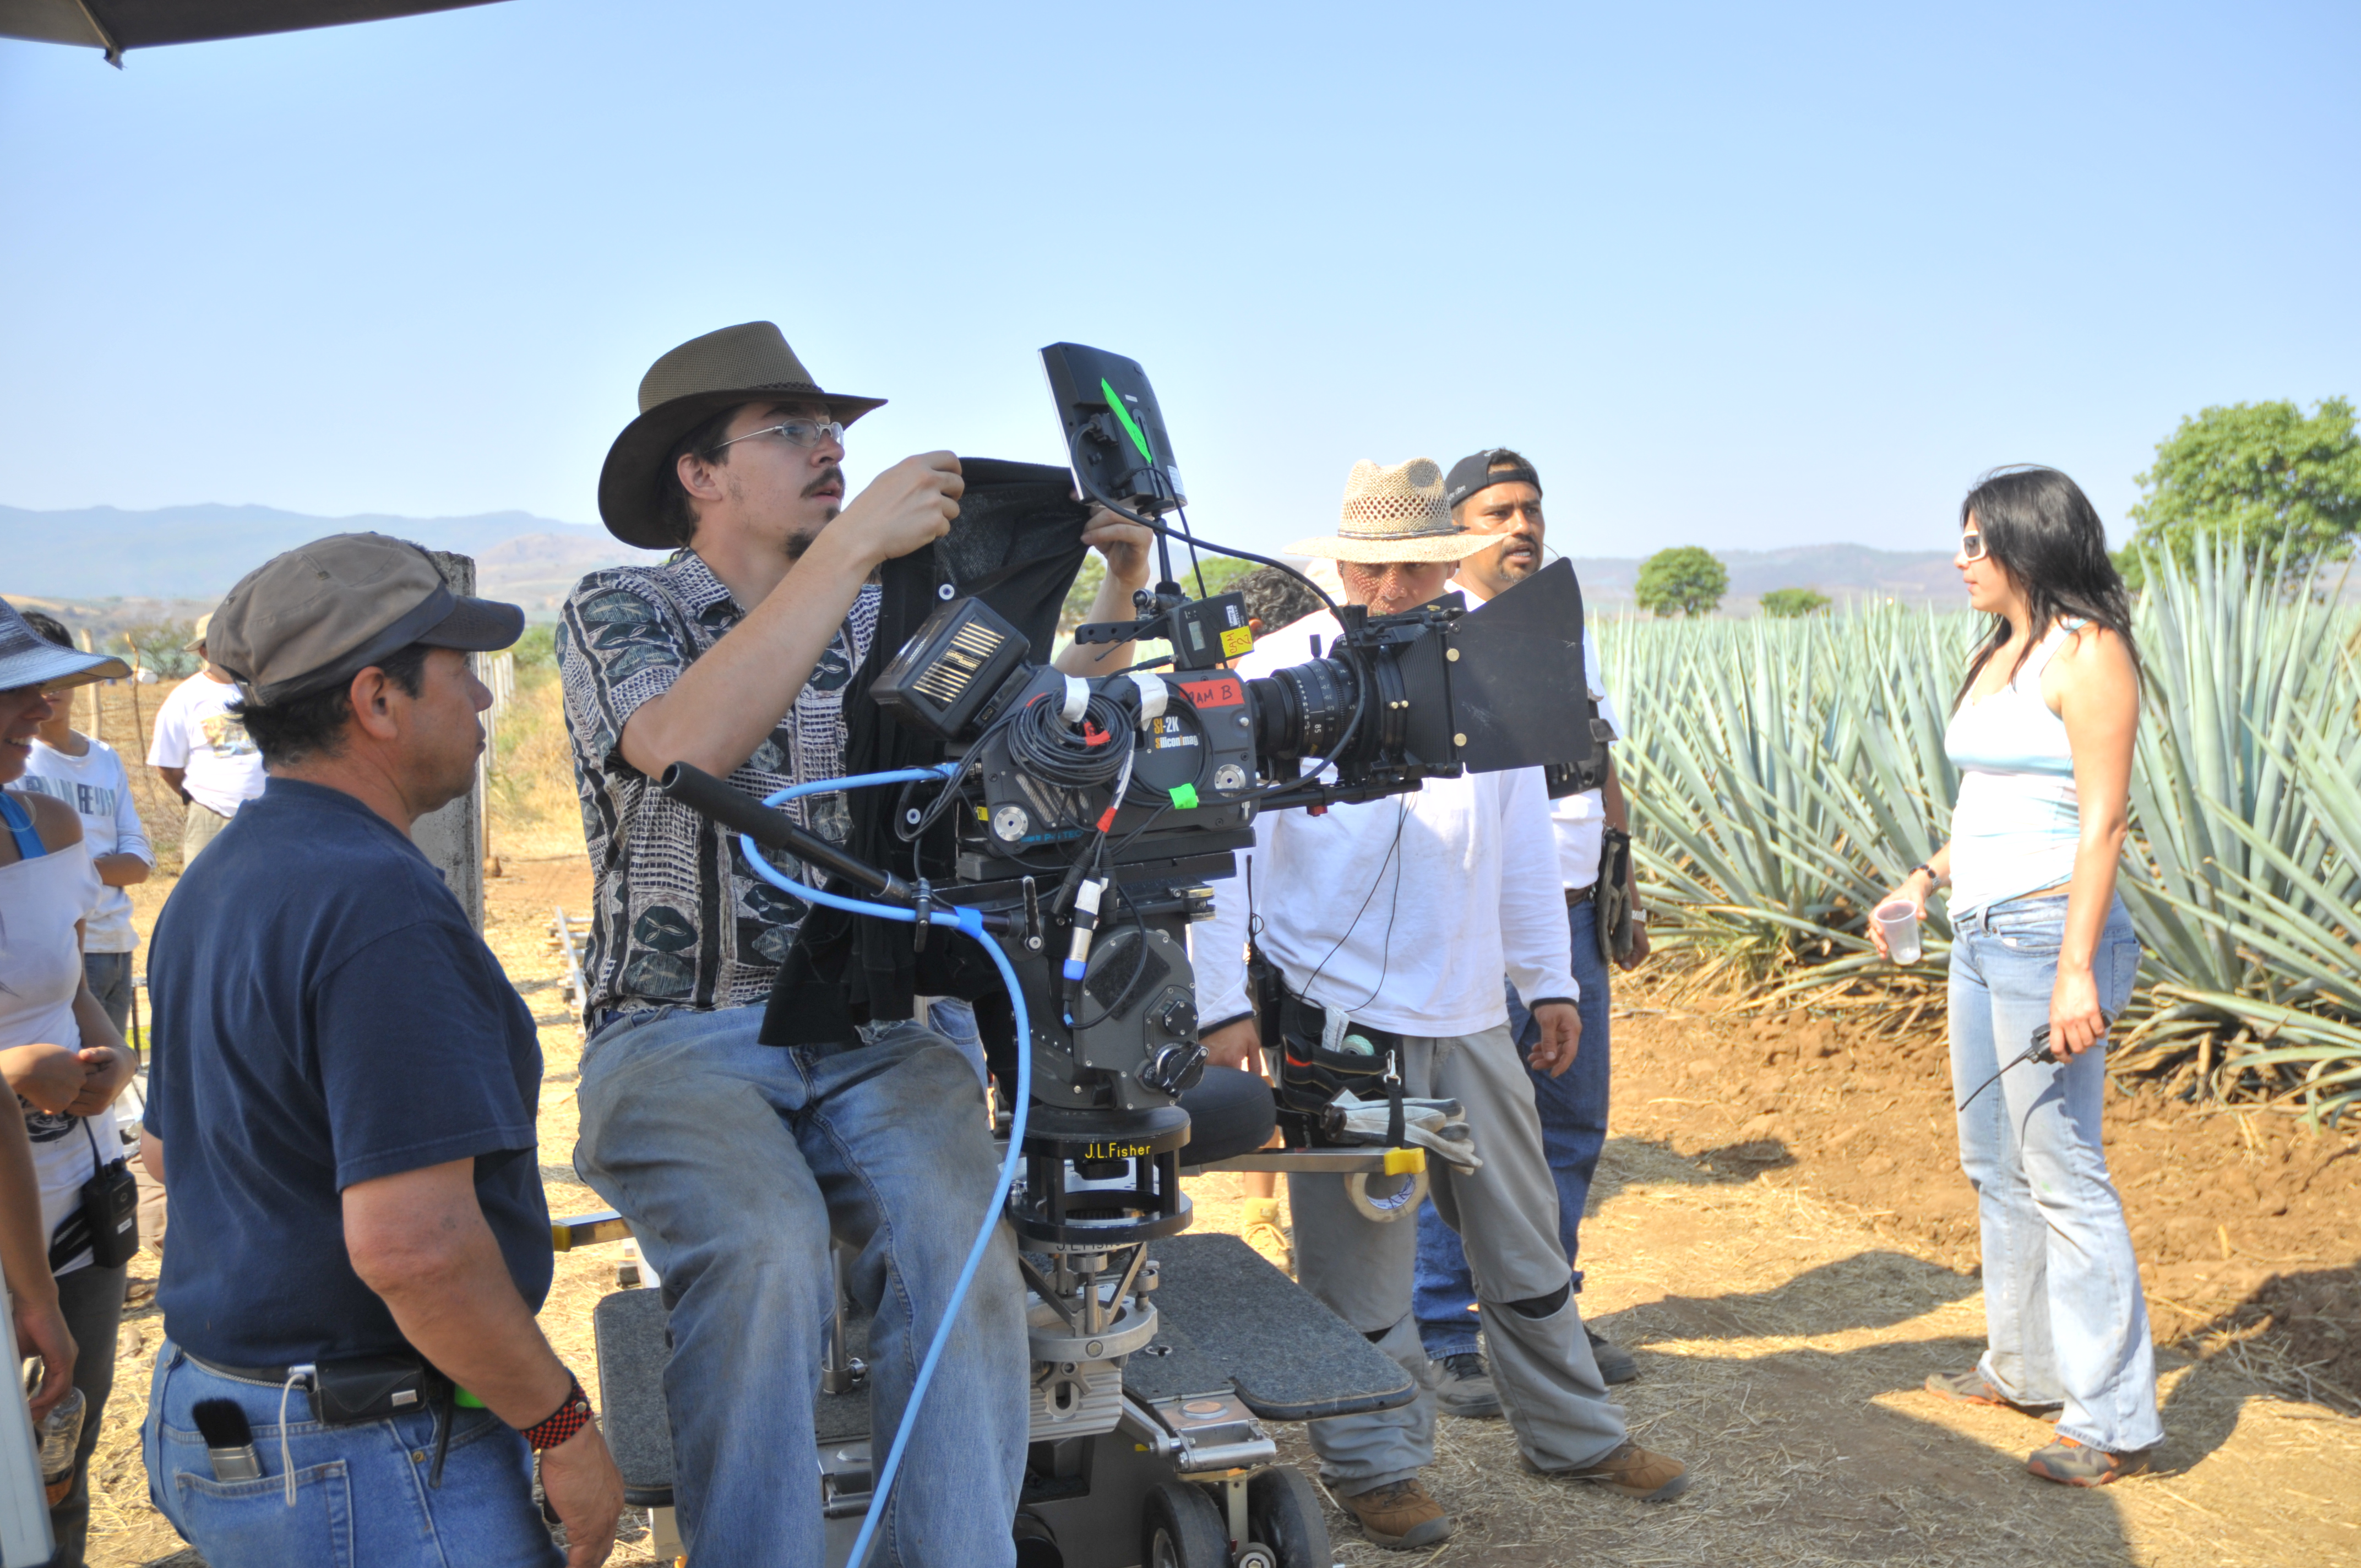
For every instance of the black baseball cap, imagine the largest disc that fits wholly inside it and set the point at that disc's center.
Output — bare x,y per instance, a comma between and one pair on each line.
1481,470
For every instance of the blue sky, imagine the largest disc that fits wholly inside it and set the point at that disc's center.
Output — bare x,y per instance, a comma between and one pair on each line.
1736,275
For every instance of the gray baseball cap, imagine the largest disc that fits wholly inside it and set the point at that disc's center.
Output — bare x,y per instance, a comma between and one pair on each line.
323,613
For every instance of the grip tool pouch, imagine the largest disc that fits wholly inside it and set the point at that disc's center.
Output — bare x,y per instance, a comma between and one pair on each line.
1610,895
1318,1062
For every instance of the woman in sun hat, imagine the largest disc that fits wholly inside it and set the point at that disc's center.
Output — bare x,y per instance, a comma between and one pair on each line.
62,1058
2042,731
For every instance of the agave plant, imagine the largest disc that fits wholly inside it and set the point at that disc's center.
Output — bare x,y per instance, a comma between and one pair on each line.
2246,793
1783,776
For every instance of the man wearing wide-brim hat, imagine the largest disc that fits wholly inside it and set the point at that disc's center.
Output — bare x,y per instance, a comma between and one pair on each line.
735,1161
1401,914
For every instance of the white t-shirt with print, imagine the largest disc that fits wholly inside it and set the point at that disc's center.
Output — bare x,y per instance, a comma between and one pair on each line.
196,731
99,789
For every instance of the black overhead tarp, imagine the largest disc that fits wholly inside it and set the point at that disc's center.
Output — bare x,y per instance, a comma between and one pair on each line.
114,26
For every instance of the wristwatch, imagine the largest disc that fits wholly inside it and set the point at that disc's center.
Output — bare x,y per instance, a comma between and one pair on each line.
1639,918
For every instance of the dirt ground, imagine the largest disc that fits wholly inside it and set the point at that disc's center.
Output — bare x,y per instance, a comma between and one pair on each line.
1781,1232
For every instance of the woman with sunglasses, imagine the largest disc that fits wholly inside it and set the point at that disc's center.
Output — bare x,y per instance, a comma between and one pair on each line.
2041,730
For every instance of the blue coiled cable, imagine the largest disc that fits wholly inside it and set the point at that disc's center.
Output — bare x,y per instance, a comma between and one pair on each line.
971,922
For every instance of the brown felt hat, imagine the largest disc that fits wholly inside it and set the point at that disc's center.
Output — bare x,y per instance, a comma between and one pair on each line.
323,613
746,364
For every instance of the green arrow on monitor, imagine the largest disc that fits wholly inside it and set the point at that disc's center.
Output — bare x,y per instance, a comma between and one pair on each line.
1138,436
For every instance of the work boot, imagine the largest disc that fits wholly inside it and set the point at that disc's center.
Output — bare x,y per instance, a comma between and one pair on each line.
2075,1464
1466,1386
1630,1469
1400,1515
1263,1234
1616,1365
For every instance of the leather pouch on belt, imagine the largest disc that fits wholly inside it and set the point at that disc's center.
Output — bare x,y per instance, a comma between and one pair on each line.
371,1387
1319,1060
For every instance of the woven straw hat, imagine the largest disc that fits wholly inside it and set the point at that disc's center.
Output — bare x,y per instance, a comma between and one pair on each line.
1395,514
750,362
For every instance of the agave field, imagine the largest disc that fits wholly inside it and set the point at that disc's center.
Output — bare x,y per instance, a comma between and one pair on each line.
1784,774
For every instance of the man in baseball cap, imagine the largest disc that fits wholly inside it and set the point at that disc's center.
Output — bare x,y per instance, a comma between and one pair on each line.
1497,493
345,1090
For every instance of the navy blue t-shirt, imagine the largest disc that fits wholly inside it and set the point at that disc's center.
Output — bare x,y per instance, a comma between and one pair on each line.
324,1014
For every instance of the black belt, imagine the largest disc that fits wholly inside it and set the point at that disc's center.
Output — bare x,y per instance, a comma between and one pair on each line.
1575,895
275,1376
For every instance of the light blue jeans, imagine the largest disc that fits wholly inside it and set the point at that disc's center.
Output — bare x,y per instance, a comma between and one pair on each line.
734,1162
2063,1313
361,1496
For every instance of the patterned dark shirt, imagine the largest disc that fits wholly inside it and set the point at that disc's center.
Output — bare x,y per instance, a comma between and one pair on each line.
678,918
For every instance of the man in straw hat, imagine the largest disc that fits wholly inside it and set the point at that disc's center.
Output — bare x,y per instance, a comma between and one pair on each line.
343,1104
1401,912
733,1160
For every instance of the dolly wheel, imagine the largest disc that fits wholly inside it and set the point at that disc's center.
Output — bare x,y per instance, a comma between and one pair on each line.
1283,1510
1180,1527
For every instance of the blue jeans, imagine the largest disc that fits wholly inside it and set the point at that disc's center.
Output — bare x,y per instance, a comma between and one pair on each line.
2063,1313
954,1020
110,982
361,1496
734,1162
1574,1129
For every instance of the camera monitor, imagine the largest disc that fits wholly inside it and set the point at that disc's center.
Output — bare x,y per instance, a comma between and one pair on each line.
1113,430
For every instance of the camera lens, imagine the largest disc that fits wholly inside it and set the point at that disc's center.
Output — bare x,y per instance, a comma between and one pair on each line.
1302,710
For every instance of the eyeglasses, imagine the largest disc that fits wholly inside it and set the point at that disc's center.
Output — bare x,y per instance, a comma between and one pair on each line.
1971,545
804,432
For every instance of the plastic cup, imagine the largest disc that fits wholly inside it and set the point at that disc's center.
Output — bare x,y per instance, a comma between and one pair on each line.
1899,919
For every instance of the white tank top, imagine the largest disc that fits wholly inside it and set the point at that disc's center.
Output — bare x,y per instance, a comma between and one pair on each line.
2018,820
40,971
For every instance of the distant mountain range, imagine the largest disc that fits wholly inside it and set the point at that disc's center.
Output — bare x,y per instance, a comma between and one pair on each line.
1846,573
178,556
106,567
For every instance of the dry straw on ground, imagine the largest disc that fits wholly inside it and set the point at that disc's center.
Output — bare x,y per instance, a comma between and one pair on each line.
1781,1340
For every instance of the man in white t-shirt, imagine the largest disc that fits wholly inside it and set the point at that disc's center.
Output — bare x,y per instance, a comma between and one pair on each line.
1400,913
1496,492
89,776
202,751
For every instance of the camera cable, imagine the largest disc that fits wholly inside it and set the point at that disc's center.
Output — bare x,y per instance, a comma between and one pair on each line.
971,922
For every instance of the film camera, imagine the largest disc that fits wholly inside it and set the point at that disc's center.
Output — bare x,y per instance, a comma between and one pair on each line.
1088,822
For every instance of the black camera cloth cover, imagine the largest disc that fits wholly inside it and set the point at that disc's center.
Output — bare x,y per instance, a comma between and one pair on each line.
1017,545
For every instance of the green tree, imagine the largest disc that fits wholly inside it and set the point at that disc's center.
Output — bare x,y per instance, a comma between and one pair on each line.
1683,580
160,646
1793,604
2285,482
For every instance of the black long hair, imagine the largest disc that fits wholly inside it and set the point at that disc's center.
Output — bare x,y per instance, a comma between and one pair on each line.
2044,533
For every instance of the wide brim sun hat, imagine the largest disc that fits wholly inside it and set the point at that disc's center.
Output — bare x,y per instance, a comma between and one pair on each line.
750,362
1395,514
30,658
